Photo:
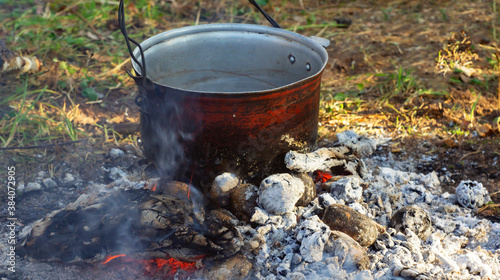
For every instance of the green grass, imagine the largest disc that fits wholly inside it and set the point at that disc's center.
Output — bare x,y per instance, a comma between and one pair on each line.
62,34
27,125
401,83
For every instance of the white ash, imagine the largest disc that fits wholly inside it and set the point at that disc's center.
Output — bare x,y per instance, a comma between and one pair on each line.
122,181
321,159
459,246
327,199
358,207
347,188
312,235
472,194
363,146
294,245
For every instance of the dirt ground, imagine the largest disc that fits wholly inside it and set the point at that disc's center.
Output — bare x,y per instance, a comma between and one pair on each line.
381,79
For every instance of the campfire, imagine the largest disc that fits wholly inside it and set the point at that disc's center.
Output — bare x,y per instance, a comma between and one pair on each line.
338,213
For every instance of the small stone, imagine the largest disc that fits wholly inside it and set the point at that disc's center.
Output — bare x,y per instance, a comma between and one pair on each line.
413,218
297,258
243,201
225,182
21,188
309,189
361,228
279,193
68,177
116,153
221,187
350,253
363,146
32,187
49,183
347,188
472,194
236,267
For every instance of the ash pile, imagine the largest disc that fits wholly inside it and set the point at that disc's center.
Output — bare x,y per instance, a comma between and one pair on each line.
372,222
339,213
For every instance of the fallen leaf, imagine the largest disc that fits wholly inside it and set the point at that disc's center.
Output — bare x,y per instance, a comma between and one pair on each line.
451,143
484,130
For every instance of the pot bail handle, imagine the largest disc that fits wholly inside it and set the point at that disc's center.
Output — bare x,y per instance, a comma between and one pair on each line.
266,15
142,63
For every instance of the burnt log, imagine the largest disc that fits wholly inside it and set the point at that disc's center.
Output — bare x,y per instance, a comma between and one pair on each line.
138,223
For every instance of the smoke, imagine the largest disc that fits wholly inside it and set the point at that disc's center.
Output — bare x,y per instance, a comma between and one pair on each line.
163,137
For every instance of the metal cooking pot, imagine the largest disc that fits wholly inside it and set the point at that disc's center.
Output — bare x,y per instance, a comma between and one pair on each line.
227,97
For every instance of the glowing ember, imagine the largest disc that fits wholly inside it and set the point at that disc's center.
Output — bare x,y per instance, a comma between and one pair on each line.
110,258
167,267
155,265
322,176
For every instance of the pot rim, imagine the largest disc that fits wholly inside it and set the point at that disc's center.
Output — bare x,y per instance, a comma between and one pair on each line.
236,27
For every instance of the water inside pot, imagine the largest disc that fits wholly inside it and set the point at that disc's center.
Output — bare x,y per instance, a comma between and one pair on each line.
220,81
230,60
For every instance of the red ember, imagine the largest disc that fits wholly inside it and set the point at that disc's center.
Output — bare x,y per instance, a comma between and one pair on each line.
322,176
157,266
110,258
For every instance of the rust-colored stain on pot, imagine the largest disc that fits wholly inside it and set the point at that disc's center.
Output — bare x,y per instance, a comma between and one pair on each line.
249,132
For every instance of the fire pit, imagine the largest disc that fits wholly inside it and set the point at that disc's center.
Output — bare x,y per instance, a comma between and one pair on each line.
340,212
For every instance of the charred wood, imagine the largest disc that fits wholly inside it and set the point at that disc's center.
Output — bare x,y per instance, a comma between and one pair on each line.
139,223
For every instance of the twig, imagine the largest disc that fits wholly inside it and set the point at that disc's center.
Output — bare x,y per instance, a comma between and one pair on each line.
316,26
88,23
43,209
43,146
495,193
198,14
321,31
493,25
498,91
114,70
488,47
471,153
486,207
